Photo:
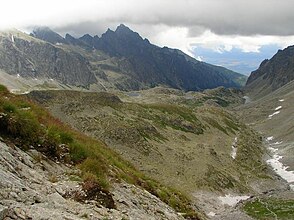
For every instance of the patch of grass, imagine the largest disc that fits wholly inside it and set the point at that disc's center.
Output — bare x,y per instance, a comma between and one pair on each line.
270,209
176,117
219,179
215,124
3,89
53,178
8,107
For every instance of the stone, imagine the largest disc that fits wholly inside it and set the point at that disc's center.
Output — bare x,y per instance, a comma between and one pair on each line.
3,211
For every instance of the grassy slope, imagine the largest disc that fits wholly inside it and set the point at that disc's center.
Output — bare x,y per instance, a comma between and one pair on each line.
26,124
270,208
183,143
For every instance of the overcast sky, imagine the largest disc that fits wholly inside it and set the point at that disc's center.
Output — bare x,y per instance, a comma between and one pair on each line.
218,25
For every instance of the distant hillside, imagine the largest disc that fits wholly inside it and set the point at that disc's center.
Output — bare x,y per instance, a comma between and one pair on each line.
119,59
272,74
145,65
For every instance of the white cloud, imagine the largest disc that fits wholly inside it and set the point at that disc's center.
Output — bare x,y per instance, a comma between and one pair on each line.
184,24
245,43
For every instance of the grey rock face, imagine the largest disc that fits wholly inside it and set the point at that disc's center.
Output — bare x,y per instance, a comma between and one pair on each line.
28,192
46,34
38,59
3,211
274,73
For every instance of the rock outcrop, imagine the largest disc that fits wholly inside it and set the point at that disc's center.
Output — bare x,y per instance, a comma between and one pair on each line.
272,74
26,56
34,187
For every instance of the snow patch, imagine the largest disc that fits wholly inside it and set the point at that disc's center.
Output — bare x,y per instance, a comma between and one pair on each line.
247,99
234,152
273,149
275,113
12,38
278,108
234,148
270,138
18,75
19,92
232,200
292,187
211,214
277,143
280,169
281,100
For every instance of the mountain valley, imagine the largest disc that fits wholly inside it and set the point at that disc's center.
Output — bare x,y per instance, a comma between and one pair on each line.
114,127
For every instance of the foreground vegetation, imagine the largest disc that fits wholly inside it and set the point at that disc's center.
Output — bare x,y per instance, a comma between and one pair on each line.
270,209
27,125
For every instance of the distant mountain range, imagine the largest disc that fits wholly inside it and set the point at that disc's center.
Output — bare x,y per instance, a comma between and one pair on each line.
272,74
119,59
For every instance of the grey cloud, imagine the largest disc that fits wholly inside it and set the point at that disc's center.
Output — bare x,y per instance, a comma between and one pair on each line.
223,17
79,29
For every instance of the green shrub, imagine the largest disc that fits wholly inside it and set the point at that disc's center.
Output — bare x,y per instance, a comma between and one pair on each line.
3,89
96,168
9,108
77,152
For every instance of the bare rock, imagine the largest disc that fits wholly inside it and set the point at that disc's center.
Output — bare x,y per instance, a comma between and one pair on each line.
3,211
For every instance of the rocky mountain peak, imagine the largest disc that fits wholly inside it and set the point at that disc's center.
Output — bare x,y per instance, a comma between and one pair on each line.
123,29
68,37
122,33
46,34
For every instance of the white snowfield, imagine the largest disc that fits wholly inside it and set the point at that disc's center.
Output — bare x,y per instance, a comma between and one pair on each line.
280,169
211,214
232,200
281,100
277,165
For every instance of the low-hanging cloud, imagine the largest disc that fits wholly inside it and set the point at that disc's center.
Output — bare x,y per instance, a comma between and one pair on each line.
223,17
219,25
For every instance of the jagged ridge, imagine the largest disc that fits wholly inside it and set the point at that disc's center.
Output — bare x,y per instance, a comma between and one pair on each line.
142,64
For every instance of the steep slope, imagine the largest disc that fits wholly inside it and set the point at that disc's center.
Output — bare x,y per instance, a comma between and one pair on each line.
272,115
35,187
46,34
272,74
24,56
46,167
